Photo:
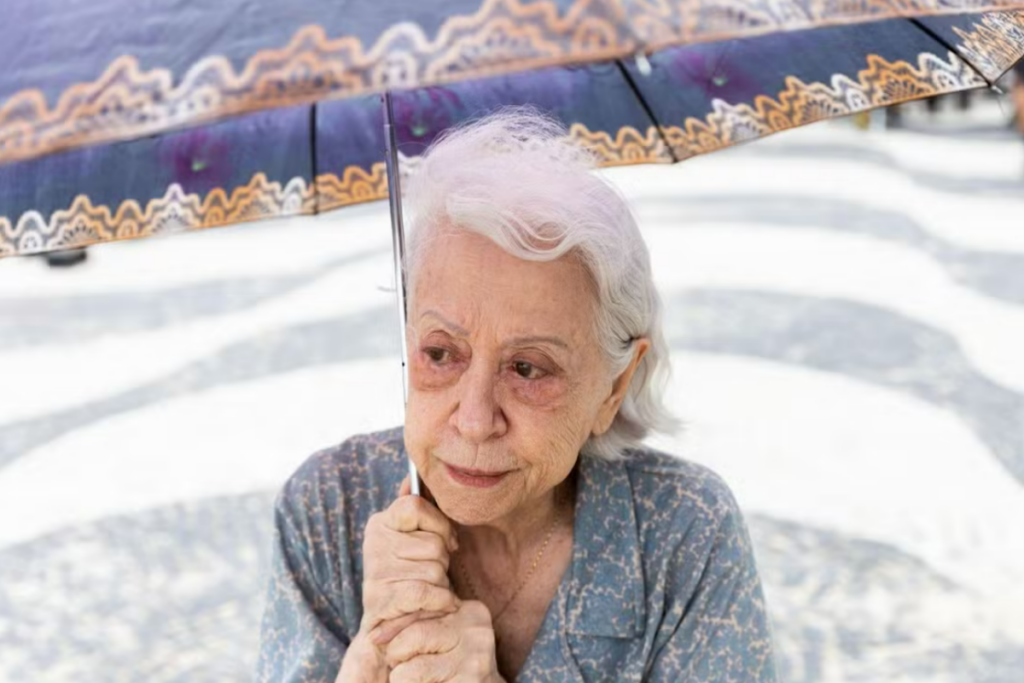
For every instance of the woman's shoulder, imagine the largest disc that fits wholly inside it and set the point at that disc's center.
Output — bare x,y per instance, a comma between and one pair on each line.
359,475
675,493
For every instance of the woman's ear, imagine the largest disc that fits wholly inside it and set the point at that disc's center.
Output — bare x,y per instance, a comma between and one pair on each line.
610,406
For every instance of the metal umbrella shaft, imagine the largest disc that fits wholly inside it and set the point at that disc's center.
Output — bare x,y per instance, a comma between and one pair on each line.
398,241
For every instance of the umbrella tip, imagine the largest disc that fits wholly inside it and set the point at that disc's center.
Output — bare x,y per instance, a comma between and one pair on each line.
643,65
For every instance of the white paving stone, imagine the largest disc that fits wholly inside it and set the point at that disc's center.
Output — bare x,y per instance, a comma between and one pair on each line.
44,378
857,268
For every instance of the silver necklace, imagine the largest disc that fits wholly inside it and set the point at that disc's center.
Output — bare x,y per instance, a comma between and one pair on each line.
475,595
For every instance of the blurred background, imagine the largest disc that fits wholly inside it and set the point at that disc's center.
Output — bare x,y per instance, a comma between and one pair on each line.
845,304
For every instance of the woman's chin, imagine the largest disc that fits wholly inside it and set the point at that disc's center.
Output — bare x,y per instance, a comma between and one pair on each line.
467,517
470,507
466,512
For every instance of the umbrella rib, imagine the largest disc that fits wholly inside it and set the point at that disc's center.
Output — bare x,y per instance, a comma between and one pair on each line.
313,158
942,41
647,108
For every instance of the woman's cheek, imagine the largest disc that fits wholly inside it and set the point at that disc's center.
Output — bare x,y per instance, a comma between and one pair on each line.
548,392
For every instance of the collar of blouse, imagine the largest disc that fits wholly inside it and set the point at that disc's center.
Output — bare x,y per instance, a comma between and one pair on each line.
606,596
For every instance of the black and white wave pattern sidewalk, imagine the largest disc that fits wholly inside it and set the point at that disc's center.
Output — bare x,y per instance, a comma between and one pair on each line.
846,314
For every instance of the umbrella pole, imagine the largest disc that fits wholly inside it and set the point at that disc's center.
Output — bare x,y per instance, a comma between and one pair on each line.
398,242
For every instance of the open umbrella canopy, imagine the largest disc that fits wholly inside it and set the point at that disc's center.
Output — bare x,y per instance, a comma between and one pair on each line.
193,117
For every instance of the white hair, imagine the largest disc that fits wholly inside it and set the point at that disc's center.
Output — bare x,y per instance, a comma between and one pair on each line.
516,178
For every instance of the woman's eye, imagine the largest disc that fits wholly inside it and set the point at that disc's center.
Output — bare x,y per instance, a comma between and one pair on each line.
527,370
437,355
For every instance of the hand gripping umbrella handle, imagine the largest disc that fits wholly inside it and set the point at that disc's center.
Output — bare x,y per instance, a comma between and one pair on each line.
398,243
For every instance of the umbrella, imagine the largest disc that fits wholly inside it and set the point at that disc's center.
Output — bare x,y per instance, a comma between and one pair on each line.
208,116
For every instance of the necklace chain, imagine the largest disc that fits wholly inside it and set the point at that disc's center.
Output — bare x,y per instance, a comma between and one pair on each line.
464,575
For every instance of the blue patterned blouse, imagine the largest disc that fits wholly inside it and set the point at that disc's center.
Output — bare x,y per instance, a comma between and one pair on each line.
662,584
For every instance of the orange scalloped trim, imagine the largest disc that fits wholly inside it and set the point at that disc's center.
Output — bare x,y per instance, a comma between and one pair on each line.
995,44
629,146
882,83
354,187
83,223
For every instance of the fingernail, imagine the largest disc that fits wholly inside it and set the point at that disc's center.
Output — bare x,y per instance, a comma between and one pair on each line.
375,635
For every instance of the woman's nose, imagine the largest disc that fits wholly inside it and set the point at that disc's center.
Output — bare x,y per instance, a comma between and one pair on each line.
478,415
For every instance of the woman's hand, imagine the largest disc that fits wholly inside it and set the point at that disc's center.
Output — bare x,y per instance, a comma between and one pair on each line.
405,571
363,663
455,647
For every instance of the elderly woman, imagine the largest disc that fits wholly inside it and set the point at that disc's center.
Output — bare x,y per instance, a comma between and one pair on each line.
550,545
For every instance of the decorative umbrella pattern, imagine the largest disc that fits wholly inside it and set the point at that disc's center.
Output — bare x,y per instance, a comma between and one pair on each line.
206,118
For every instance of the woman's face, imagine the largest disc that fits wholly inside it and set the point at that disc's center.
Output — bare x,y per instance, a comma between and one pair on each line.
505,376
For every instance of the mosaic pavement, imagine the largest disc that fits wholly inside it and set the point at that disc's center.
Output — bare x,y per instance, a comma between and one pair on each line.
846,312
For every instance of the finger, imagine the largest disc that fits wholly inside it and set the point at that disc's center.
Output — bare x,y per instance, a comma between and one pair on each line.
424,669
421,546
412,513
407,597
406,488
423,637
429,571
386,631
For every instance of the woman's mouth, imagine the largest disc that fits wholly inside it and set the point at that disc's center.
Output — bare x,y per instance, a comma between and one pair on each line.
475,478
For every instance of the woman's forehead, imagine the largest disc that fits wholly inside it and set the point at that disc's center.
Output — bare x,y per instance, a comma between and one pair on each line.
476,283
453,259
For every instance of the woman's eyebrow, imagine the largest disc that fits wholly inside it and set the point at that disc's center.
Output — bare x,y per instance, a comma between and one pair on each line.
457,329
515,341
523,341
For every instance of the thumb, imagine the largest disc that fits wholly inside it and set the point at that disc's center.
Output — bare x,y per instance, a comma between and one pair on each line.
406,488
